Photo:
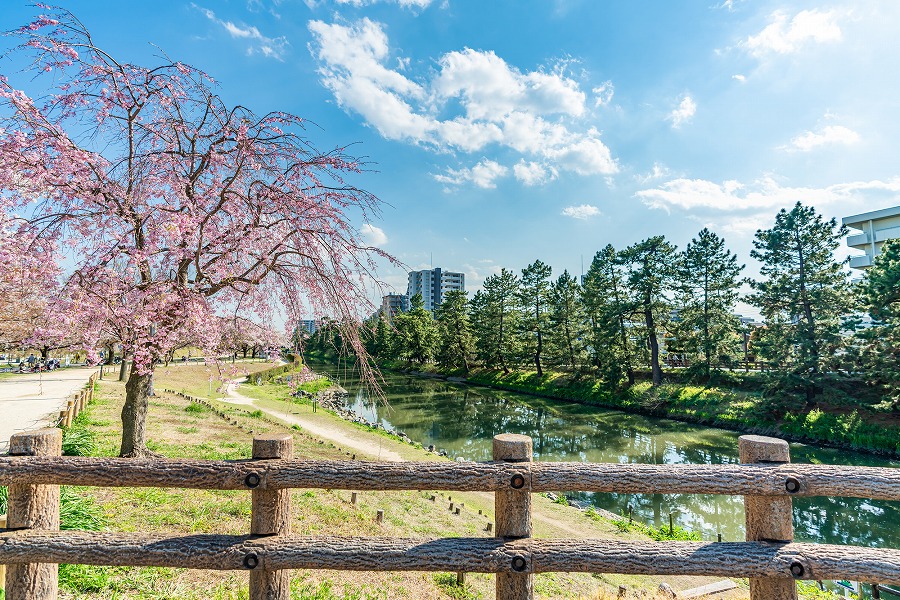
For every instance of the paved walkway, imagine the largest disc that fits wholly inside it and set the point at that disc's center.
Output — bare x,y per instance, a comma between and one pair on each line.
31,400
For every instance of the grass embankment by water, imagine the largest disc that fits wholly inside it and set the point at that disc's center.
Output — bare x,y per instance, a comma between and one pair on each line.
178,427
741,406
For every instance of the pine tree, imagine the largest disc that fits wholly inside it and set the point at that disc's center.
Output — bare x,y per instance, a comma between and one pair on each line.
456,344
416,332
708,281
880,291
534,288
804,295
566,321
650,267
494,319
609,332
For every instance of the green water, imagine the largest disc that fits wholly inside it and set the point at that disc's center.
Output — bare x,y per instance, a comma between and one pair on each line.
462,420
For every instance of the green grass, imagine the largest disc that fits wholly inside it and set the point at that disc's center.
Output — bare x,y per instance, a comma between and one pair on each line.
660,534
196,408
78,441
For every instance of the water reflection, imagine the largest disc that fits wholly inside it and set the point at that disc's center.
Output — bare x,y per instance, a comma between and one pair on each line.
462,420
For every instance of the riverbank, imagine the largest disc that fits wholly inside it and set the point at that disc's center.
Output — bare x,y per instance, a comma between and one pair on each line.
735,408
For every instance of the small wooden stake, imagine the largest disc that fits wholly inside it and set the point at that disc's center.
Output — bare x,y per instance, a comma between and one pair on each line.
379,516
512,513
353,498
34,507
769,518
271,514
461,578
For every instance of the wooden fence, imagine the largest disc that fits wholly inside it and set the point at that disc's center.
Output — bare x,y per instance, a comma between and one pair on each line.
32,543
77,402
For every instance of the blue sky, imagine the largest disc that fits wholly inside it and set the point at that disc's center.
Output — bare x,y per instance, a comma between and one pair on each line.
500,132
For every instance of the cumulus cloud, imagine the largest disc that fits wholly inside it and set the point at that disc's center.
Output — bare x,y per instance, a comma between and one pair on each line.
257,43
472,100
582,211
683,112
739,77
831,135
373,236
532,173
784,34
657,172
764,193
483,174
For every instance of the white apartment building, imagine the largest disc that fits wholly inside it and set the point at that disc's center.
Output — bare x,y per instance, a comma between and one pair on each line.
876,228
433,284
393,304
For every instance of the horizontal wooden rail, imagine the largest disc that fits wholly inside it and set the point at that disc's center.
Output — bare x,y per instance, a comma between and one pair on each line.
477,555
788,479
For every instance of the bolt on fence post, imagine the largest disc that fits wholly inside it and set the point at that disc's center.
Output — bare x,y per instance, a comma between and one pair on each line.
512,514
33,507
768,518
271,515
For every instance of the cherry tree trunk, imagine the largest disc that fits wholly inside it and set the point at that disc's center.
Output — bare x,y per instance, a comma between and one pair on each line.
134,415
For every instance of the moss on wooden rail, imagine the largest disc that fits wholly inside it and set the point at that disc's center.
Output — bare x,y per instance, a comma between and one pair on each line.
879,483
481,555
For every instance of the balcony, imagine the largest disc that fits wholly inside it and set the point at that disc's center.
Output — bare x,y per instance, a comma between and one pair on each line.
860,262
858,241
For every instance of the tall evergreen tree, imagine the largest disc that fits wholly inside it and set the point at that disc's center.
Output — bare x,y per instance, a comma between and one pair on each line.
880,290
416,332
566,321
804,295
650,267
494,319
605,304
534,288
708,281
456,344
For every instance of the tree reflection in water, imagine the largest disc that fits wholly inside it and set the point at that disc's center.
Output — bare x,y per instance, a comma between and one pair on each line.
462,420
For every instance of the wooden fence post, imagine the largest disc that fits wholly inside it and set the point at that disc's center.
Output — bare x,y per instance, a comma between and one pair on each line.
769,518
271,515
512,514
33,507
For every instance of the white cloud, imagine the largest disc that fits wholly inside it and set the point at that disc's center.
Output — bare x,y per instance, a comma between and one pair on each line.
683,112
764,193
784,36
826,136
739,77
603,93
657,172
474,99
532,173
583,211
403,3
257,42
483,174
373,236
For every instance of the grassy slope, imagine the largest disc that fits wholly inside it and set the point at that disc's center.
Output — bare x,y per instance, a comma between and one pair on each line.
176,431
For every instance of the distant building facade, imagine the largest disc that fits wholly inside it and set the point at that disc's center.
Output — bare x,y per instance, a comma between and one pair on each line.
433,284
308,326
394,303
876,228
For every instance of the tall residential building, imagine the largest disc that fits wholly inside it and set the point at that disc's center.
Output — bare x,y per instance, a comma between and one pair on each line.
433,284
394,303
877,227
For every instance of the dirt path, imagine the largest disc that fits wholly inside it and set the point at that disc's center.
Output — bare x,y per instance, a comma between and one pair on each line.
316,427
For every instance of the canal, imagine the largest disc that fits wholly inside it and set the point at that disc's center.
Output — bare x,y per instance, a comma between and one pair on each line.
462,420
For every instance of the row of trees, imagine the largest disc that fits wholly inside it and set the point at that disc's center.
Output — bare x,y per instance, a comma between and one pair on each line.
635,302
